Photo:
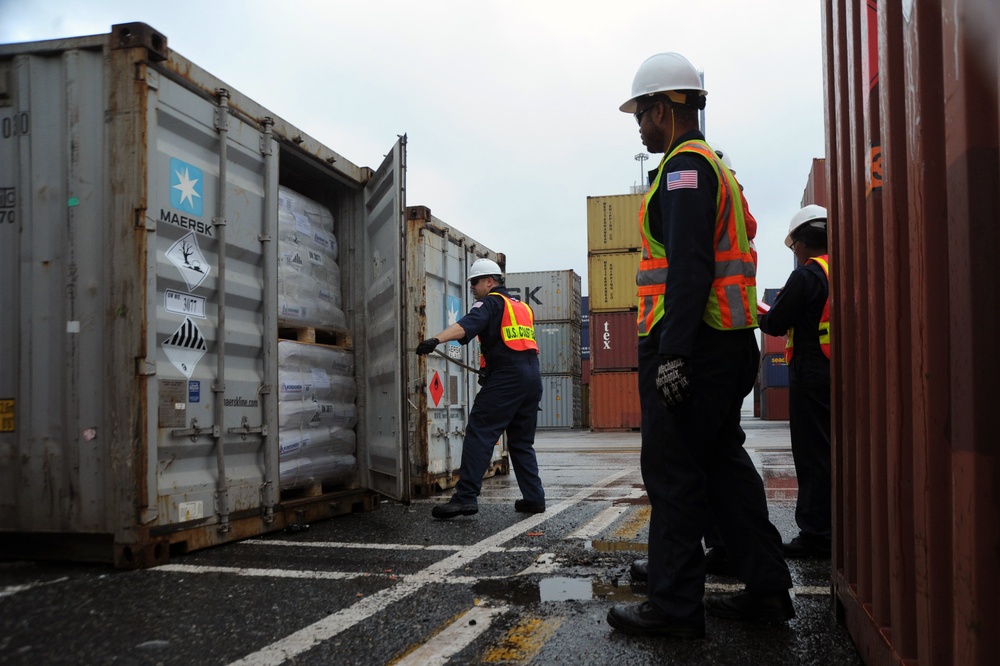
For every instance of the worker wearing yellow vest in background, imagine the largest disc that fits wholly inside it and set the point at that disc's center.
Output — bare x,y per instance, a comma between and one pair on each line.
511,392
802,309
698,359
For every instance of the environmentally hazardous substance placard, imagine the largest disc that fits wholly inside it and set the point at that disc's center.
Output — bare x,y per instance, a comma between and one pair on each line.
187,257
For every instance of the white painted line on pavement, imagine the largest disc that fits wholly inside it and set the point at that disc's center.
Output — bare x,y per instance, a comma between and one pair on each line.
263,573
308,637
14,589
374,546
599,523
454,638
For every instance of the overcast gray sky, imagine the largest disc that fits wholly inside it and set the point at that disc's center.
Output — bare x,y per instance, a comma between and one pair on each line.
511,107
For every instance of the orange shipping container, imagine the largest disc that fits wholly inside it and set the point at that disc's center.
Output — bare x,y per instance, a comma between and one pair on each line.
614,401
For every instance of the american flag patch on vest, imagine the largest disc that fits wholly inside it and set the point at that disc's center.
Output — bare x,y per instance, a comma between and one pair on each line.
677,180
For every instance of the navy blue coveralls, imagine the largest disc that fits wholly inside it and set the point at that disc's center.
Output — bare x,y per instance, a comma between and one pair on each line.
693,463
799,304
507,401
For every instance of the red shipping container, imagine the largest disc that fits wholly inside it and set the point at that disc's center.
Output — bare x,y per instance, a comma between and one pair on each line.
774,403
614,401
614,341
585,371
772,344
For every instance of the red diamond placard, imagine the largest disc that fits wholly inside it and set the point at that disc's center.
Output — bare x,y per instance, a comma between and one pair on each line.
436,388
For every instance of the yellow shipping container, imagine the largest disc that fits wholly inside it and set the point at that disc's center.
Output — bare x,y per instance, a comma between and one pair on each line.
613,223
612,281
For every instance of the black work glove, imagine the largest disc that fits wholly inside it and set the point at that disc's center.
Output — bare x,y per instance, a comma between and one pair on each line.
427,346
482,377
672,382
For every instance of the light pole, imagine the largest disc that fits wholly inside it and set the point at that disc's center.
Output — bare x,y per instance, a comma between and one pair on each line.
640,158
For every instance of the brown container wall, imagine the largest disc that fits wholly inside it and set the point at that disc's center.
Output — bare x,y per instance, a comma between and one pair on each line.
614,401
614,343
612,282
613,223
913,161
815,192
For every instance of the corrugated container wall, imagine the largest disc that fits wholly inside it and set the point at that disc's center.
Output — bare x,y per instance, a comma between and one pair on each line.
552,295
815,191
612,281
585,330
558,348
615,343
913,155
443,385
561,402
139,294
614,401
613,223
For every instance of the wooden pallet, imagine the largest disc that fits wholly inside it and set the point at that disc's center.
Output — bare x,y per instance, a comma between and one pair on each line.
317,489
312,335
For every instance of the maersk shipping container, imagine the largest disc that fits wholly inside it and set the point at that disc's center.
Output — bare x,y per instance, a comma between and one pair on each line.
552,295
443,385
561,405
138,303
558,348
613,223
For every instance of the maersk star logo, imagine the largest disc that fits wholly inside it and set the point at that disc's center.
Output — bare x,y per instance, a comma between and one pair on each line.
186,186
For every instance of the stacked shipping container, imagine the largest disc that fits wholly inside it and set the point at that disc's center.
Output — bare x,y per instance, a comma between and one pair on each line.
613,245
554,297
772,382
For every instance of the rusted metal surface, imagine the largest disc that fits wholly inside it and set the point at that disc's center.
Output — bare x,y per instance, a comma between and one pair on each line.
614,401
913,159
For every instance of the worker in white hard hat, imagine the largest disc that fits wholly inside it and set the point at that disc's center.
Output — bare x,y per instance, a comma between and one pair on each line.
802,311
698,360
509,397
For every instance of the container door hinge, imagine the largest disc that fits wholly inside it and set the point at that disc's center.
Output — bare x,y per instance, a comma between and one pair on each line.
247,429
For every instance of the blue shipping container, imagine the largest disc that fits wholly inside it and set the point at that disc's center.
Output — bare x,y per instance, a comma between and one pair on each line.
773,371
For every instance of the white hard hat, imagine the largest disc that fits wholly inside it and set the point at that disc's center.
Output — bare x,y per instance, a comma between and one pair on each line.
724,156
661,73
481,267
813,215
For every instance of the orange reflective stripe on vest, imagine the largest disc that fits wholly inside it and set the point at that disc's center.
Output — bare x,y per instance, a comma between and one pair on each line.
824,320
518,326
732,302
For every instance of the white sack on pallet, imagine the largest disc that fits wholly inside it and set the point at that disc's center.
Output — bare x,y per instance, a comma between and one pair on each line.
320,469
300,355
309,283
313,442
316,413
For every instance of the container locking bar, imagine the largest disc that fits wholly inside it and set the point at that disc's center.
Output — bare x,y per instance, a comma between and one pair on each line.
246,429
194,431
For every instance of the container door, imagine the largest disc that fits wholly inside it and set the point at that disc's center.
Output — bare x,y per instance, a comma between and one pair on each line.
381,328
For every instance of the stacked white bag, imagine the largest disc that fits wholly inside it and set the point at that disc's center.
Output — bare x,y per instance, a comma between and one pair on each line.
316,414
308,273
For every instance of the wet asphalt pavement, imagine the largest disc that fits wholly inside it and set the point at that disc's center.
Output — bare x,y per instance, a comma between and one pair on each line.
395,586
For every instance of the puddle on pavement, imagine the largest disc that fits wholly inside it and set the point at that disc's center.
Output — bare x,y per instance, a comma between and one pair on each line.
557,588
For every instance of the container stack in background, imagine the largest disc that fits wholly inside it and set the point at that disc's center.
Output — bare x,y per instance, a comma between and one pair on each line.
771,390
585,364
554,297
613,250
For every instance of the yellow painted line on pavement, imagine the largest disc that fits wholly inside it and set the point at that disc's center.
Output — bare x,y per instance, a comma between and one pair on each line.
453,638
523,641
634,523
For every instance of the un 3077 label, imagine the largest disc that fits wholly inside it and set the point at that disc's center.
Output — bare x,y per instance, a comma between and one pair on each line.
184,304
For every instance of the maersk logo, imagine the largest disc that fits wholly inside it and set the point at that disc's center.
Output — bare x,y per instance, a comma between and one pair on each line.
186,187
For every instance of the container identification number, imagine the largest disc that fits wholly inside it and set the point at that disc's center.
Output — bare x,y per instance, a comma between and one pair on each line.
16,125
8,201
